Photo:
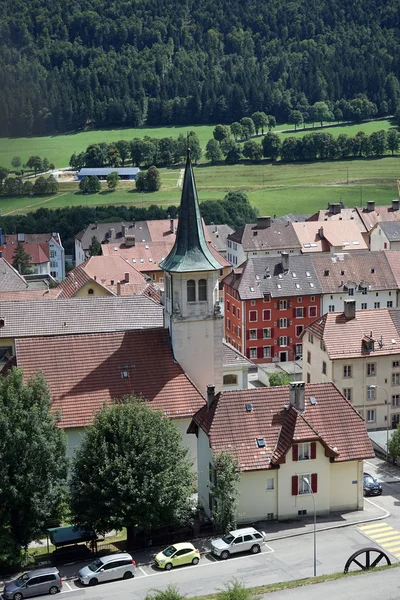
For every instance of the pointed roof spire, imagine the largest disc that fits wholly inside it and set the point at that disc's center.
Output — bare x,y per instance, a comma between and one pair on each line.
190,251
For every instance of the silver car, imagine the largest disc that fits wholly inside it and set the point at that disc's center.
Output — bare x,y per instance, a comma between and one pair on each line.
107,568
33,583
239,540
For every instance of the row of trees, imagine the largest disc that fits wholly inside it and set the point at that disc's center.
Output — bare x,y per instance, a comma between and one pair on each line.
15,186
312,146
147,151
234,209
146,181
115,480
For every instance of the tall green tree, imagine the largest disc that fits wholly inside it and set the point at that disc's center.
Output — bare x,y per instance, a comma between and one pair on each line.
3,173
394,444
276,379
221,132
213,151
16,162
236,130
225,478
33,462
153,179
21,260
393,140
34,163
271,144
248,128
112,180
95,247
260,121
296,118
123,476
321,112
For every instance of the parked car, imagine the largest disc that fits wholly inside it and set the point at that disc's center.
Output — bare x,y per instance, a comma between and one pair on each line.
371,486
107,568
240,540
176,555
33,583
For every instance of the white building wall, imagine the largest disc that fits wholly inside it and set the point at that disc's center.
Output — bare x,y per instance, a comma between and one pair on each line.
378,240
346,485
79,253
255,501
188,440
74,439
335,302
57,260
242,378
204,458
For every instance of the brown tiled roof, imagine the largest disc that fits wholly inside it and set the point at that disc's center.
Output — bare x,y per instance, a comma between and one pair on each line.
75,279
344,338
101,232
278,236
79,315
143,257
38,253
371,269
10,279
346,214
84,372
28,294
265,275
381,213
332,421
345,235
393,258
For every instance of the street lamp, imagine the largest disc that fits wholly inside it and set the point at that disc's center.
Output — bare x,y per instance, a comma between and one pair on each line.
375,387
307,482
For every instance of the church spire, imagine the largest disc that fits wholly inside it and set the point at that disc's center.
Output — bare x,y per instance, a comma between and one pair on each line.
190,251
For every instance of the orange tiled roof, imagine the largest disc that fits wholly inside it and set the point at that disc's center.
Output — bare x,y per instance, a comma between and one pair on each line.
38,253
331,421
85,371
143,256
345,235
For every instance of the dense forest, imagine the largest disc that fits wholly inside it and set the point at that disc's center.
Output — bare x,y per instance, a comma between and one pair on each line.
71,64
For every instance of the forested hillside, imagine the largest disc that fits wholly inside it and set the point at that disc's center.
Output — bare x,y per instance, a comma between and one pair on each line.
69,64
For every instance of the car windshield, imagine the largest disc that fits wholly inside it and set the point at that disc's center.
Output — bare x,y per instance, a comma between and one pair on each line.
96,564
21,580
169,551
369,479
228,539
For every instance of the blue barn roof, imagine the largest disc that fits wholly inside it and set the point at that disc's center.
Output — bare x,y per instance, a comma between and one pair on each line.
85,172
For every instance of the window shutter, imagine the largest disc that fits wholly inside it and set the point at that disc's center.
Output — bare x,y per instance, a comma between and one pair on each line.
248,352
294,313
259,334
313,450
272,332
295,453
295,485
259,352
314,482
247,334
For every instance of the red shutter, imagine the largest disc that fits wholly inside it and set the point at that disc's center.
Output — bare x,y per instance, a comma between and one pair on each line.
295,453
259,334
313,450
272,332
314,482
294,313
259,352
248,352
247,334
295,485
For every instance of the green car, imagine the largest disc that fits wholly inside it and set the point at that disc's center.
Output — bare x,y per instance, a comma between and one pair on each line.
178,554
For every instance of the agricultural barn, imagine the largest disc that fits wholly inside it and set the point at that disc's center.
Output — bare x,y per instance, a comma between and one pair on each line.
101,173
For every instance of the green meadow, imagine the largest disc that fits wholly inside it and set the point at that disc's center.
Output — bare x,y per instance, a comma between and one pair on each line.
273,188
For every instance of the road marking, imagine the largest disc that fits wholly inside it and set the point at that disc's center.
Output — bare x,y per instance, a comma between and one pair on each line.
384,535
144,572
373,526
387,538
391,544
212,557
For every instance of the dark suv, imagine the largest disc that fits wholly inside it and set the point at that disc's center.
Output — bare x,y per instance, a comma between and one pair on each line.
33,583
371,486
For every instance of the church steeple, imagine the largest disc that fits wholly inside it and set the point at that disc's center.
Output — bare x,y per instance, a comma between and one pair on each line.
190,251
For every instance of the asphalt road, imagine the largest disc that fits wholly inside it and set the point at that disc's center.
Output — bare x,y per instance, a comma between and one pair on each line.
280,560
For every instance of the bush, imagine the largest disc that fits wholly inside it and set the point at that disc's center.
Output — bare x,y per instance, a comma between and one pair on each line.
235,590
171,593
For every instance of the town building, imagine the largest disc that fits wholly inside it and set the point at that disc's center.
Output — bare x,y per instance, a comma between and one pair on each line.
385,235
45,250
268,302
356,349
337,212
217,236
286,441
371,214
367,277
128,173
264,238
330,236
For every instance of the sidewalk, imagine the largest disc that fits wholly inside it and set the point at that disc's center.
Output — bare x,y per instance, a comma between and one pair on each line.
274,531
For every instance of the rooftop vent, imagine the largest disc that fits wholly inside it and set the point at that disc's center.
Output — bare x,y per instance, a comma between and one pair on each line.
326,272
263,222
249,407
370,205
395,204
261,443
313,400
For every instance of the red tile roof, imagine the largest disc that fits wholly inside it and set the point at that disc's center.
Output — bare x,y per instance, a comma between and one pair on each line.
345,235
332,421
344,338
85,371
38,253
380,213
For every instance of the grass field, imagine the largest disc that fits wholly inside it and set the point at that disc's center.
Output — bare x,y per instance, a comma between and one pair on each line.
59,148
272,188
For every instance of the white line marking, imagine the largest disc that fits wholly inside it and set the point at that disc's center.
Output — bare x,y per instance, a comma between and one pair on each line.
144,572
66,583
213,557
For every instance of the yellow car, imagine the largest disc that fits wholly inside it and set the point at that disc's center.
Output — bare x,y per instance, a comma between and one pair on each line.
178,554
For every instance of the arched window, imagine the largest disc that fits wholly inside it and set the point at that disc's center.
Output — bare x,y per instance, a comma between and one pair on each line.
230,379
90,291
202,290
191,290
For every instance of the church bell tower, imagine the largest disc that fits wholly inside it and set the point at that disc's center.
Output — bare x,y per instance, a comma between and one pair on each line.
191,310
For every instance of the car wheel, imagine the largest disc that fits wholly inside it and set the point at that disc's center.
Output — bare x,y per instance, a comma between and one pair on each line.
128,575
195,561
93,581
168,566
255,549
18,596
224,554
53,590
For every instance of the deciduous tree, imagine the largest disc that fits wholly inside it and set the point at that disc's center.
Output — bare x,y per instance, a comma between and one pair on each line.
224,490
16,162
296,118
153,179
122,476
271,144
112,180
221,132
21,260
34,163
213,151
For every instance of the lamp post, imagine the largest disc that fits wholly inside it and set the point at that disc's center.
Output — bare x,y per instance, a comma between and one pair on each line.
307,482
376,387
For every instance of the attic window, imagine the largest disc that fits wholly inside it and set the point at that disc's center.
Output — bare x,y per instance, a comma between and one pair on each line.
298,286
134,260
294,275
356,243
2,323
249,407
124,375
261,443
313,400
280,276
258,277
255,233
150,259
252,289
326,272
142,260
372,270
308,274
278,285
311,285
146,247
116,248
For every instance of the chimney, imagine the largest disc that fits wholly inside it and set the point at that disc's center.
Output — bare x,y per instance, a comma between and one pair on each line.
349,309
111,232
331,208
130,240
285,261
297,395
95,225
126,277
337,208
118,288
321,233
370,205
263,222
112,282
395,204
171,225
210,395
21,237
